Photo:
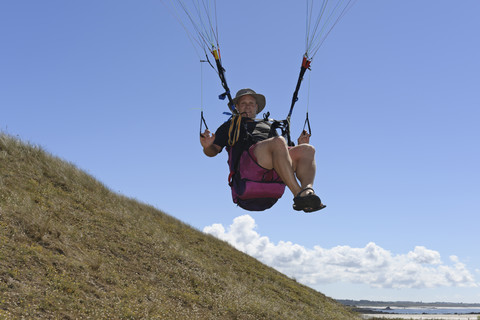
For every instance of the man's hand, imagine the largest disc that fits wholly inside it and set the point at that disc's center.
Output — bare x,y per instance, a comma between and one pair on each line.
304,137
209,148
206,139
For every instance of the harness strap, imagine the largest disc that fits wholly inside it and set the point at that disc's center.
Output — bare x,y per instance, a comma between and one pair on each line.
284,126
202,122
307,123
234,130
305,65
223,80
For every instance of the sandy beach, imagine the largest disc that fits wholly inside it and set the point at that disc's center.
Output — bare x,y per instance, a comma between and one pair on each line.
423,316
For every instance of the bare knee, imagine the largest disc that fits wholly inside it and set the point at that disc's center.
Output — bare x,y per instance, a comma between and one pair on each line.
307,149
303,151
279,142
265,151
273,144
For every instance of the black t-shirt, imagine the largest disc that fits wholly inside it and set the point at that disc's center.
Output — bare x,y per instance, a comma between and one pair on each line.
251,132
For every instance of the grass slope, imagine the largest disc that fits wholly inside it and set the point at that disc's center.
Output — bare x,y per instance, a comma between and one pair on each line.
72,249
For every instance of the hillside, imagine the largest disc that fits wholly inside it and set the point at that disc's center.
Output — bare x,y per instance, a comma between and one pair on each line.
72,249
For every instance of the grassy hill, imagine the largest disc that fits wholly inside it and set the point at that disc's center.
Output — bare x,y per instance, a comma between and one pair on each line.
72,249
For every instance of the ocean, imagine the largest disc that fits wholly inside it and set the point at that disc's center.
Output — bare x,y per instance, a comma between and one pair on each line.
429,310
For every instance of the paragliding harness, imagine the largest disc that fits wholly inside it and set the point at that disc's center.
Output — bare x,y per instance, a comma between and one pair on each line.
254,188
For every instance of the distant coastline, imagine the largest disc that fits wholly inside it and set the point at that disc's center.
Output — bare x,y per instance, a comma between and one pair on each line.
411,309
406,304
419,317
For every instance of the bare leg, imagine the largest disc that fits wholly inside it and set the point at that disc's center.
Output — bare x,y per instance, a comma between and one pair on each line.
303,159
273,153
292,164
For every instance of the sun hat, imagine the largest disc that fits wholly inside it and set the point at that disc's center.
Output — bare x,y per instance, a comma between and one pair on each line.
260,98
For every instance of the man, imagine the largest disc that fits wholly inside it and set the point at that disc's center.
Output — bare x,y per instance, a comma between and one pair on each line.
294,165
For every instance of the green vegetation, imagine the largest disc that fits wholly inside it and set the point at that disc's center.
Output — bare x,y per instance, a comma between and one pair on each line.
72,249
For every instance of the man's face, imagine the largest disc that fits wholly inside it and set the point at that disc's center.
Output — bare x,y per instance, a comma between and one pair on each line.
247,106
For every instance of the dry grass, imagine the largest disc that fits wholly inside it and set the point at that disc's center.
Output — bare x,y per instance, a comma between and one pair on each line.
72,249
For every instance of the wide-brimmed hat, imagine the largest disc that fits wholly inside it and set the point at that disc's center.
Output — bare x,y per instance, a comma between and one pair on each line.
260,98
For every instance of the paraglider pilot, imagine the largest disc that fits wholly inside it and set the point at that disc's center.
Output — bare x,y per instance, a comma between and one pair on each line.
294,165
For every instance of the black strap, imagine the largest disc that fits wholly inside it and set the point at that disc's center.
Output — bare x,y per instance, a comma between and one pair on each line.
202,122
223,80
307,123
221,74
305,65
284,126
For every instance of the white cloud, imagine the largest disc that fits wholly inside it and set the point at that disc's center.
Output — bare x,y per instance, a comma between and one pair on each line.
371,265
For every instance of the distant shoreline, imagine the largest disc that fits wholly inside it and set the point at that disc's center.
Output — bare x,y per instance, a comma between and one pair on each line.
406,304
426,310
375,313
414,310
423,309
421,316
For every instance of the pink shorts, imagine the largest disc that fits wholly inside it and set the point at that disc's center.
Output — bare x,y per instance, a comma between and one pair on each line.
251,170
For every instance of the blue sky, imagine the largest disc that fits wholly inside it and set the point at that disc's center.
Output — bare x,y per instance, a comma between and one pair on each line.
115,88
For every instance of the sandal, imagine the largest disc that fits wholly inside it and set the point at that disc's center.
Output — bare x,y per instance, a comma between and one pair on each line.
308,203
